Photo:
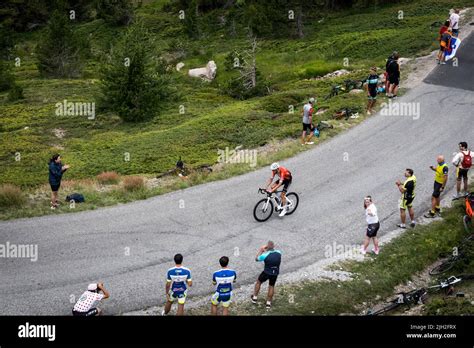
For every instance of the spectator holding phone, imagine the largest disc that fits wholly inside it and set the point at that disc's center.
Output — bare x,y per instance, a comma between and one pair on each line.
56,171
86,306
373,225
272,260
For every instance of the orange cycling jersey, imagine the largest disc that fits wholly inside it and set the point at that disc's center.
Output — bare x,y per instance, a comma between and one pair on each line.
283,173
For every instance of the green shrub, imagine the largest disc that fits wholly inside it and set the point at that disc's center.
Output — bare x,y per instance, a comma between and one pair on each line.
6,77
15,93
11,196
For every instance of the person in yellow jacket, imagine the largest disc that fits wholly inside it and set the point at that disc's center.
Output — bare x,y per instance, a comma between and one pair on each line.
407,189
441,178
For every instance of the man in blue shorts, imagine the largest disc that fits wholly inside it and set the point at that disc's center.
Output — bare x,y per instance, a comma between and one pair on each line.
272,260
224,278
177,280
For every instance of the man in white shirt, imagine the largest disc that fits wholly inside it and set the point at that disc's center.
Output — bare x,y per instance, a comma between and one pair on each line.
463,162
373,225
86,306
454,22
308,126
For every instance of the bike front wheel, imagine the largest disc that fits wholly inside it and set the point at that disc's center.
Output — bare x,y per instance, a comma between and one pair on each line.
385,309
263,210
292,201
443,267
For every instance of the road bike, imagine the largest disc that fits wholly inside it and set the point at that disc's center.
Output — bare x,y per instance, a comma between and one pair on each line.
419,296
410,298
272,203
460,253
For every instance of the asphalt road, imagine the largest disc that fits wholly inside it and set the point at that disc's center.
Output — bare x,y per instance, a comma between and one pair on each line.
130,247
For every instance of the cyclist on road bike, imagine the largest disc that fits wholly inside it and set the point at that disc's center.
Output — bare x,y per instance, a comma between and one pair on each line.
284,179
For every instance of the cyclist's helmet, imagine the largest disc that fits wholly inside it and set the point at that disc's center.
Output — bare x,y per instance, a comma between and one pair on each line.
311,100
274,166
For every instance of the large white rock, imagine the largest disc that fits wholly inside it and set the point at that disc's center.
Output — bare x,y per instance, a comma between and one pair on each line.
208,73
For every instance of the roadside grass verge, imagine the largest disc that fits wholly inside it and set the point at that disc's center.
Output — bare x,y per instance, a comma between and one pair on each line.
375,278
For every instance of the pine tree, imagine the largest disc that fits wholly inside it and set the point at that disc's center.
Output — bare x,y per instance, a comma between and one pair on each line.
7,80
60,50
133,85
115,12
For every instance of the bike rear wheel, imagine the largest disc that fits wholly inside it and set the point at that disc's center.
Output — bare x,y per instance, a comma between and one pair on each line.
292,201
386,309
263,210
443,267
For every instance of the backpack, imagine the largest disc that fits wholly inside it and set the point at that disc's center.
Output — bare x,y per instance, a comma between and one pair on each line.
76,197
389,61
467,160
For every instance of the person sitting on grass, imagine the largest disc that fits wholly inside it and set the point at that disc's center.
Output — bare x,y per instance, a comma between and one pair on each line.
56,170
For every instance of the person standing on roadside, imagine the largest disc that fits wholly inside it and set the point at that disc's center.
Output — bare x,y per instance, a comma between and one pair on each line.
454,22
308,126
442,42
385,74
272,260
407,190
86,306
463,162
56,171
444,46
441,178
371,83
178,278
373,225
393,70
223,279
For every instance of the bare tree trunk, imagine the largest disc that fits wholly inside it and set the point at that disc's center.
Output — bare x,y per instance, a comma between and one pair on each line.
299,23
254,63
228,4
233,31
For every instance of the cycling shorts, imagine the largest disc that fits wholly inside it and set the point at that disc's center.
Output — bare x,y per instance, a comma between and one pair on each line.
286,184
225,299
406,202
178,295
437,189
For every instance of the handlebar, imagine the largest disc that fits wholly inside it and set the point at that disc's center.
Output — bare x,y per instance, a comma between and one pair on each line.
264,191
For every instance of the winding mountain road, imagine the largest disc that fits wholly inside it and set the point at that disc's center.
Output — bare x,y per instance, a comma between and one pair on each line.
129,247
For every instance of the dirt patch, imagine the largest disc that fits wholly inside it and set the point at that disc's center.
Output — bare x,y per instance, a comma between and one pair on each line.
59,133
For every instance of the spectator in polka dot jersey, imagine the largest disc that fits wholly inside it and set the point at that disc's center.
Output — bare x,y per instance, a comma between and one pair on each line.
86,306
